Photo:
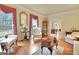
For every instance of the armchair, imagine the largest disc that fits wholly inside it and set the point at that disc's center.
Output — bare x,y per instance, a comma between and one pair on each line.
37,33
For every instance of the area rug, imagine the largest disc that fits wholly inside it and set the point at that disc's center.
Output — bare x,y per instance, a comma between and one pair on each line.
57,51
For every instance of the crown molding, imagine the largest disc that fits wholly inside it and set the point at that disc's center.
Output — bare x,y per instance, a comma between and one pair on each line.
29,10
65,12
24,9
55,14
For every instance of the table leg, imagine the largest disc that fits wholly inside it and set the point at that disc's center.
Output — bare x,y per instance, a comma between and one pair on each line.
2,47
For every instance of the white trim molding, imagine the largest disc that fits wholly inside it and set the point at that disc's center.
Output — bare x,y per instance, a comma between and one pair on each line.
65,12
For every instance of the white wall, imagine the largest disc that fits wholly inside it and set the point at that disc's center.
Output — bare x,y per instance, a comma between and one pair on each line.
67,21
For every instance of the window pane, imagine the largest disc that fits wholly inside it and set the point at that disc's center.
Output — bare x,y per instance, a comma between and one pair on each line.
6,22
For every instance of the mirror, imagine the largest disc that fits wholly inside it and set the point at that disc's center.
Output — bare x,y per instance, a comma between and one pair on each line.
23,19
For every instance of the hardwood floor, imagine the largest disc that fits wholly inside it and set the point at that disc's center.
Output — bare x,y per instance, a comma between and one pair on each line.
68,48
25,48
22,48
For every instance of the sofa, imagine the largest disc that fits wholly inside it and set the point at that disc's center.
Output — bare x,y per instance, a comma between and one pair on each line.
69,38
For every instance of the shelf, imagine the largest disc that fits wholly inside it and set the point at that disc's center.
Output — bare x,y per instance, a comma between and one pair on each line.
45,28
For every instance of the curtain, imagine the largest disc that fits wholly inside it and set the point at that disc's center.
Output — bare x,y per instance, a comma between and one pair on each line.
7,9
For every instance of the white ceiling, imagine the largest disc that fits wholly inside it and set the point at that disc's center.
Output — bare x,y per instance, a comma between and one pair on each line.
49,9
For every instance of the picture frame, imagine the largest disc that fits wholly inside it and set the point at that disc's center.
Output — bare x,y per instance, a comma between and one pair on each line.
23,19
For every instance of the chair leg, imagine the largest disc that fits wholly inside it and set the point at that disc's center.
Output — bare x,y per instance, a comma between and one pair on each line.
50,48
6,51
41,49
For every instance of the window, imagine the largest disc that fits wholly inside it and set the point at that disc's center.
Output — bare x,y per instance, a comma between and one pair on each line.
6,22
8,19
34,23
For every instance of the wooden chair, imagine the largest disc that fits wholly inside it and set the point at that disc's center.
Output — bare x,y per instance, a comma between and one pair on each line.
49,42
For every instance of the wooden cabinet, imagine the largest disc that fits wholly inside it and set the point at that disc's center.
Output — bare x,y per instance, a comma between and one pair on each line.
44,28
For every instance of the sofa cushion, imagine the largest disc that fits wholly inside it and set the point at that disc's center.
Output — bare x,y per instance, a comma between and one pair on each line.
75,34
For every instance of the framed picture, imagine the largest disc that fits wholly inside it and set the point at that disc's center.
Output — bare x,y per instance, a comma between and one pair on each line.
23,19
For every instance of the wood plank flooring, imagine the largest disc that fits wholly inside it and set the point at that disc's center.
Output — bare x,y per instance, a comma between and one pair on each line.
68,48
25,48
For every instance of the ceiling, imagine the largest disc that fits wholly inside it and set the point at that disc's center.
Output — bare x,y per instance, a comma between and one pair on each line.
49,9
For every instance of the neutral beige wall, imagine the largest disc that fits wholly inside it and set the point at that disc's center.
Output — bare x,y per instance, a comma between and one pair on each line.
67,21
21,9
